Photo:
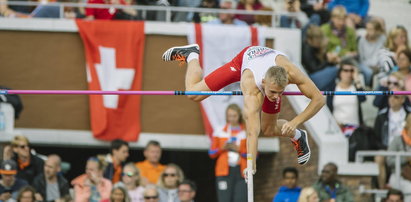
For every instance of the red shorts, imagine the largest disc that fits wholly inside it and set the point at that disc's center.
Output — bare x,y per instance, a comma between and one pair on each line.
226,74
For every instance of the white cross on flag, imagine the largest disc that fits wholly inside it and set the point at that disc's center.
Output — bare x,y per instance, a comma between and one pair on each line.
114,59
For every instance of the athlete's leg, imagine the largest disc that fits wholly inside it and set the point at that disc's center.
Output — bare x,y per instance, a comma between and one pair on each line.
194,80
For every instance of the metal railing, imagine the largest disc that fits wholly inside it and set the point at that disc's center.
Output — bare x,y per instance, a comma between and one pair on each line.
167,9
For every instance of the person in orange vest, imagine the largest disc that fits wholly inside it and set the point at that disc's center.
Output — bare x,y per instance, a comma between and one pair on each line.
228,147
151,168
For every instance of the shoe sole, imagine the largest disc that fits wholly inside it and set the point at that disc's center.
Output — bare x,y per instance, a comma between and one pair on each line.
167,55
307,156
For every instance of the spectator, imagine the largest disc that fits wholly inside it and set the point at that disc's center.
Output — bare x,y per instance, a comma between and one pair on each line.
394,80
368,47
308,194
248,5
14,10
151,194
92,186
227,18
115,160
206,17
26,194
295,18
394,195
402,144
9,183
8,153
329,187
151,168
186,16
109,13
187,191
315,8
168,183
357,10
264,20
398,40
119,194
228,146
404,67
29,166
154,15
289,191
131,181
341,39
51,185
319,67
347,109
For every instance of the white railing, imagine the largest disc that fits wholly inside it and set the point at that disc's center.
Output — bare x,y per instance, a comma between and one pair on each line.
168,9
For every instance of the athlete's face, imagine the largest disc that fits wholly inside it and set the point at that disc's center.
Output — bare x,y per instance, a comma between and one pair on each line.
272,90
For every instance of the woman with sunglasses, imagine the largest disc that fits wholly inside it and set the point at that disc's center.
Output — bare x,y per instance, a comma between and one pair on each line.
347,109
131,181
171,177
394,80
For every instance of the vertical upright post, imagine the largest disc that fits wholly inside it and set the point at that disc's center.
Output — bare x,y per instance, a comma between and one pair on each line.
250,184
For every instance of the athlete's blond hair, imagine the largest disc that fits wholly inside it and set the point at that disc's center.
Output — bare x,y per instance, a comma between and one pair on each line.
277,75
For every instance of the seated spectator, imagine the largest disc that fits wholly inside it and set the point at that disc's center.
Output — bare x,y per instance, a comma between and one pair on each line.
308,194
347,109
151,194
329,188
186,16
248,5
151,168
368,48
9,183
394,195
131,181
109,13
321,69
168,183
13,11
401,144
29,166
187,191
404,67
51,185
357,11
228,147
92,186
315,9
115,160
264,20
394,80
206,17
397,40
227,18
296,18
26,194
154,15
289,191
342,40
119,194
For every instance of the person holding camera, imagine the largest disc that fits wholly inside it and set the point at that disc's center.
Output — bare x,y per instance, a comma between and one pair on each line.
228,147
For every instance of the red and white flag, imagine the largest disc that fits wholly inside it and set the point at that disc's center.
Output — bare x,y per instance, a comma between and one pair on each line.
114,56
218,45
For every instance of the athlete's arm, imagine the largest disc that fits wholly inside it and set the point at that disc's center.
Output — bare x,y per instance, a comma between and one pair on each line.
252,106
307,87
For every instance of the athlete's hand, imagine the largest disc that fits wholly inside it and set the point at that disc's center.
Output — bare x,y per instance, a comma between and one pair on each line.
246,171
288,129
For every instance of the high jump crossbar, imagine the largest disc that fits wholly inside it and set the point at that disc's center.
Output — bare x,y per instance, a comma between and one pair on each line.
96,92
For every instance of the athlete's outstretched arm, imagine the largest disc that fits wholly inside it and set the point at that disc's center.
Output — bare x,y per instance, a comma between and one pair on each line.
307,87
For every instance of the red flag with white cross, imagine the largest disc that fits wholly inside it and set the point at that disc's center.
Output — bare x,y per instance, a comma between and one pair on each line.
114,60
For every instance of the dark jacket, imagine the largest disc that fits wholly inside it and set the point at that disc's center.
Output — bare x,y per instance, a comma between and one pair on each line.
40,185
35,168
381,127
341,192
361,98
310,61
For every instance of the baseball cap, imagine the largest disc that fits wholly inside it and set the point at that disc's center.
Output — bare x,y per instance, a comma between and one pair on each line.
8,167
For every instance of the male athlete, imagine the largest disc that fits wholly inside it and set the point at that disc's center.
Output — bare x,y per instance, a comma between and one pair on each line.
263,74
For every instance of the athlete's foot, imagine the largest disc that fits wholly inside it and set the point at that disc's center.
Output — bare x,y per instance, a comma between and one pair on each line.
180,53
302,147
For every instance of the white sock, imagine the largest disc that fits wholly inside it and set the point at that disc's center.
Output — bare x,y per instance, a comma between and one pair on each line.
297,134
192,56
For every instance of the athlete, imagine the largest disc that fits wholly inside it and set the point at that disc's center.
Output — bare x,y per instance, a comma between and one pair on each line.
263,74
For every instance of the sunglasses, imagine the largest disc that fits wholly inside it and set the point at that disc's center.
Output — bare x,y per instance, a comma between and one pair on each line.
395,83
22,146
150,197
396,97
130,174
169,174
348,70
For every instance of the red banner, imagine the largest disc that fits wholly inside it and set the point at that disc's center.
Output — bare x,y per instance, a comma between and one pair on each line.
114,59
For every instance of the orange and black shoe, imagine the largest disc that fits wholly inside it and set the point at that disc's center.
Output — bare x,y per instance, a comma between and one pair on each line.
302,147
180,53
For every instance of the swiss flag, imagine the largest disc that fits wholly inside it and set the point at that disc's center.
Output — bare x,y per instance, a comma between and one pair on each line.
114,57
